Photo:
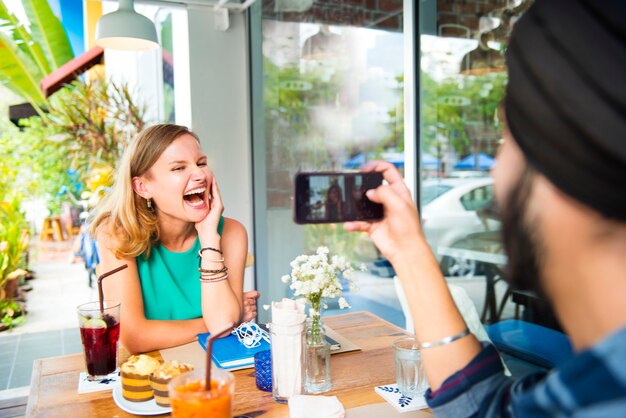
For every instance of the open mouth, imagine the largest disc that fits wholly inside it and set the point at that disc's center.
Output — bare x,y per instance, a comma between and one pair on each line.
195,197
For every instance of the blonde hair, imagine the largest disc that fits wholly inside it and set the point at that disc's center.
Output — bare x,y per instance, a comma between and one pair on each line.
125,213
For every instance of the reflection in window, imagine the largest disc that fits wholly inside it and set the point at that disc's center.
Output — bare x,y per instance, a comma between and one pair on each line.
462,82
332,95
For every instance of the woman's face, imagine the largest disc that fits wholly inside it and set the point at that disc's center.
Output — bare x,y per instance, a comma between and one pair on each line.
179,181
333,194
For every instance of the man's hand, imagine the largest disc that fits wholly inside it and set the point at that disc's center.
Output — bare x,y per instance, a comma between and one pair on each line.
400,228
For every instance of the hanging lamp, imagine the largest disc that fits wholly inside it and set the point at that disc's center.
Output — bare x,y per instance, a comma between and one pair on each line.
125,29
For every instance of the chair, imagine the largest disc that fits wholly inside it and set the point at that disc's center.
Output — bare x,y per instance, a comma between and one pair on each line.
463,303
531,342
52,229
461,299
249,260
89,253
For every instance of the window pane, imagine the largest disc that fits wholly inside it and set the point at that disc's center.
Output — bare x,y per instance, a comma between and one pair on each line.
167,52
333,99
462,84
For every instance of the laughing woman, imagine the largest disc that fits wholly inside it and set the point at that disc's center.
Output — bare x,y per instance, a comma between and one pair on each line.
164,219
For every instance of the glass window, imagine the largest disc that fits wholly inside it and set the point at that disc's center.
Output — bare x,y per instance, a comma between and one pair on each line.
333,99
431,192
462,82
477,199
164,19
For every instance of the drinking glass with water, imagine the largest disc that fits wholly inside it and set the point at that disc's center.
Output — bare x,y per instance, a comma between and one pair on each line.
410,376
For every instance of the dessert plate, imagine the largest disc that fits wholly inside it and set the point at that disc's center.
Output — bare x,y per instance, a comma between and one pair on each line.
138,408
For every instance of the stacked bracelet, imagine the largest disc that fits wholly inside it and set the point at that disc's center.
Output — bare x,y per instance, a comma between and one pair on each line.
212,275
445,340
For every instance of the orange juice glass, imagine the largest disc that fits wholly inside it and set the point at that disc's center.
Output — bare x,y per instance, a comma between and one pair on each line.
190,399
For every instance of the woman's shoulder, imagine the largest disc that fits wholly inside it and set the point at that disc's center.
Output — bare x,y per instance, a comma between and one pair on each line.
233,226
234,231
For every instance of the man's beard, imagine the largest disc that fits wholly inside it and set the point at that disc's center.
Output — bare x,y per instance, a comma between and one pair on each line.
519,236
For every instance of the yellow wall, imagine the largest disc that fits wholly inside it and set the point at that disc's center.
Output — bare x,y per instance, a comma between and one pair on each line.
93,11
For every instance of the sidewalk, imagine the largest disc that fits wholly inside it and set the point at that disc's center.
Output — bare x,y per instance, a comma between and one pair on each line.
51,326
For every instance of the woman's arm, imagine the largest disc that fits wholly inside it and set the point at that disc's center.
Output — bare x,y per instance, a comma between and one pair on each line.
222,300
400,238
138,334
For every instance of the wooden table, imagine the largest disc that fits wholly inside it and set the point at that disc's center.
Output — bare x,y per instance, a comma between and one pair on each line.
354,375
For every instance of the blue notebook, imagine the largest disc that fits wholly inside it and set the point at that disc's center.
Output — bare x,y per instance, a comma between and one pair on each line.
228,352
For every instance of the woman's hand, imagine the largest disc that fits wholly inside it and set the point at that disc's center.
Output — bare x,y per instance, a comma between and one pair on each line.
249,305
399,231
208,226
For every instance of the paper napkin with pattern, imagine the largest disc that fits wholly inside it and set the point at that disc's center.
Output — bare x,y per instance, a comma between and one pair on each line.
402,403
86,386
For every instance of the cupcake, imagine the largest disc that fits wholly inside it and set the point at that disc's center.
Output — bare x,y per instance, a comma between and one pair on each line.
135,375
162,376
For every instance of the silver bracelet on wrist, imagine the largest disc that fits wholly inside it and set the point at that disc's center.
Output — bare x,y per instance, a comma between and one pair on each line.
445,340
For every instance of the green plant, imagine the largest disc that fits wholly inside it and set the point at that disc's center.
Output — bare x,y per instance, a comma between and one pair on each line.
92,122
11,314
14,240
88,126
32,165
30,52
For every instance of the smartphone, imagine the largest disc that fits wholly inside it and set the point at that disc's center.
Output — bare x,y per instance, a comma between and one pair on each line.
329,197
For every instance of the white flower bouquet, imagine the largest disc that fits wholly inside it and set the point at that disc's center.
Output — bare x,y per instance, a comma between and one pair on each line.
315,277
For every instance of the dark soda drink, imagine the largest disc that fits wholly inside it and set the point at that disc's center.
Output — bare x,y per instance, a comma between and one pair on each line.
100,333
100,345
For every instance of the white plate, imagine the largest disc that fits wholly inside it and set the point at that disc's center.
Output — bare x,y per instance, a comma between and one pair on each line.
138,408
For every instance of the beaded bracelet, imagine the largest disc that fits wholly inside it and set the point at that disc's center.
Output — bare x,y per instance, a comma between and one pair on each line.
213,279
209,249
220,260
445,340
222,270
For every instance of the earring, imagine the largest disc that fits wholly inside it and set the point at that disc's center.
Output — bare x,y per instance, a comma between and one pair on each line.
149,203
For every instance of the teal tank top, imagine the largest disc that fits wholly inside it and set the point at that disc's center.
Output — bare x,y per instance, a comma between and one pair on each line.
170,283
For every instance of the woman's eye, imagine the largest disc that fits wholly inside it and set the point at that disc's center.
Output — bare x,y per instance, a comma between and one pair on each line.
177,168
203,164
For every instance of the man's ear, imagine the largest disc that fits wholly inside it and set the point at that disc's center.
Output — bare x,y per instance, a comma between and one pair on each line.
140,188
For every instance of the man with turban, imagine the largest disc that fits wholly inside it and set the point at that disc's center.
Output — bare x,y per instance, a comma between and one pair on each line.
560,183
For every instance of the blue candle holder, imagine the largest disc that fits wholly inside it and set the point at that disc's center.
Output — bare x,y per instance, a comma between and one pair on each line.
263,370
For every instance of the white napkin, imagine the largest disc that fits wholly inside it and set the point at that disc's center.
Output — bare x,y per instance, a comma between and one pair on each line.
87,386
304,406
286,333
288,312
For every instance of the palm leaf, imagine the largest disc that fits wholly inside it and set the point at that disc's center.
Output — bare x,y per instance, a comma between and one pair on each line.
8,21
48,32
19,70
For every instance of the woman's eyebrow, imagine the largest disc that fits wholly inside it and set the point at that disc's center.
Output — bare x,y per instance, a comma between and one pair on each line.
177,162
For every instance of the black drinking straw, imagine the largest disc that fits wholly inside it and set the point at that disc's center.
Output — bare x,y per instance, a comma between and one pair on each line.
209,350
100,292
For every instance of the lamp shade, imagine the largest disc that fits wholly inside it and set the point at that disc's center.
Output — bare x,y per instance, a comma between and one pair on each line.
126,29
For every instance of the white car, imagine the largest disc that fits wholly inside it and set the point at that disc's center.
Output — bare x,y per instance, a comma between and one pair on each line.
449,213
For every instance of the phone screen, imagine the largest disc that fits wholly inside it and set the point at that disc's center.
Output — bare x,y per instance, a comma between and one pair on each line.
335,197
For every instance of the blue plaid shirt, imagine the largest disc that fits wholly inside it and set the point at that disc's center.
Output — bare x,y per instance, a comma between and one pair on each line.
591,384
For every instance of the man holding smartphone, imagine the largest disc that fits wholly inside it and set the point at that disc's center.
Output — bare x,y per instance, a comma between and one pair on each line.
559,182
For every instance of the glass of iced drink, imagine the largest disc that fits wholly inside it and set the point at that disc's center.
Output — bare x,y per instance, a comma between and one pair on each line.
190,398
100,333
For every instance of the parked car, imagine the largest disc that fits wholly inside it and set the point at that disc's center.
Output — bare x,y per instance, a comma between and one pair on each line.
452,209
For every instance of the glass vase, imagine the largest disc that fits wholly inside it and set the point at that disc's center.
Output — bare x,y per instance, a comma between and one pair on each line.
316,358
